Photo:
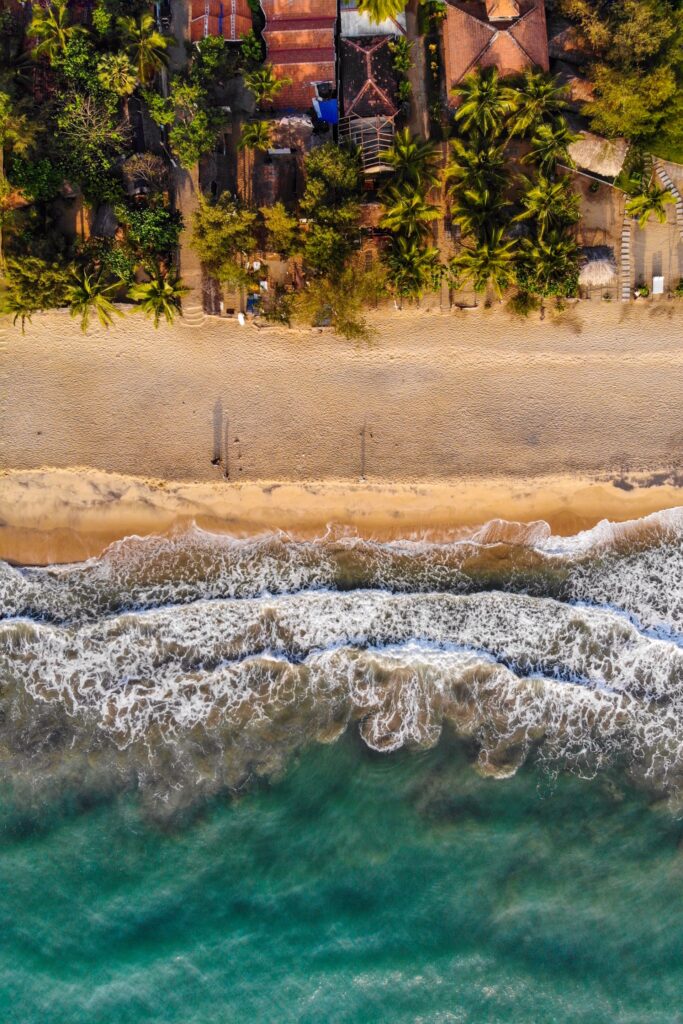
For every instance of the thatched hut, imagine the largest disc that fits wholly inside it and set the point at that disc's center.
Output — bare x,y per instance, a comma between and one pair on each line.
598,267
598,155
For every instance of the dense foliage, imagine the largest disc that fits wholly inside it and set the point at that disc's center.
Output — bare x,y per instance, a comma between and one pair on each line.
516,228
636,66
79,90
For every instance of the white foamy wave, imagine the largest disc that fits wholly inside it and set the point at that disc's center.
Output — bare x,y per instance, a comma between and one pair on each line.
260,677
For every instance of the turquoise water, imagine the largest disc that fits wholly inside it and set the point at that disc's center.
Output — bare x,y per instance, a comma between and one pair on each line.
360,888
267,780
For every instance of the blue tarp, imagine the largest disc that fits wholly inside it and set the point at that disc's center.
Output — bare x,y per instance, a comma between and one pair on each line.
328,111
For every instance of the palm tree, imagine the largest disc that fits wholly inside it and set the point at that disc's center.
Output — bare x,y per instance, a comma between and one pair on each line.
19,307
478,211
116,73
477,166
379,10
414,161
90,294
146,47
50,27
264,83
552,263
550,146
484,102
651,200
491,260
549,203
412,268
162,296
539,100
408,213
255,135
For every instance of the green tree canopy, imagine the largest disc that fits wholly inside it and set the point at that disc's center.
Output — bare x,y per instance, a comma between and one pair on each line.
412,267
653,200
223,236
408,213
282,229
146,46
490,261
485,102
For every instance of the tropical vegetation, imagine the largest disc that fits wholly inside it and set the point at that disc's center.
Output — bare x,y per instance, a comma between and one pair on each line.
634,50
515,228
77,96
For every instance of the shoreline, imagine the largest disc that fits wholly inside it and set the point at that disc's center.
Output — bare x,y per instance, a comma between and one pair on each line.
442,424
56,516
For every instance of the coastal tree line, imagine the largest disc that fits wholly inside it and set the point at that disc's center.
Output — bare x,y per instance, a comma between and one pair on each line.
79,101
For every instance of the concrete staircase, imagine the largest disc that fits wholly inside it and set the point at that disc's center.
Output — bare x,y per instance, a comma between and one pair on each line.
666,181
626,233
193,316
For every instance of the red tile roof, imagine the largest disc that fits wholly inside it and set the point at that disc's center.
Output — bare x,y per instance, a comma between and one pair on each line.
229,18
299,36
471,40
502,10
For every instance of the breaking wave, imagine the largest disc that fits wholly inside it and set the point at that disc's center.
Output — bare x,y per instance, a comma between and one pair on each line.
195,663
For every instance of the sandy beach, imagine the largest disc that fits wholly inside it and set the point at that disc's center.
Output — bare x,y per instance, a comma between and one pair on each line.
443,422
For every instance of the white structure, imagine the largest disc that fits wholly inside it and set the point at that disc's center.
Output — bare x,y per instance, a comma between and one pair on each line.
355,25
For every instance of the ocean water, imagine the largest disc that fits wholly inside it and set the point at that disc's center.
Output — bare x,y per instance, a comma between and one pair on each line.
272,780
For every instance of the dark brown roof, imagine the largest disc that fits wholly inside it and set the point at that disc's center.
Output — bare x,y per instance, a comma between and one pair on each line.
369,81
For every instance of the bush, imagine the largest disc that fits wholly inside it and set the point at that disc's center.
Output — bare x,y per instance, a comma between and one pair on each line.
151,232
106,254
523,303
39,180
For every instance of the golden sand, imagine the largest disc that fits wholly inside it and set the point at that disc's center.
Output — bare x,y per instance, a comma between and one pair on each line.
443,422
66,515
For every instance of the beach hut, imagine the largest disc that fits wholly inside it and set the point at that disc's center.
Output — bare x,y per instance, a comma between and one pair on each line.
598,267
597,155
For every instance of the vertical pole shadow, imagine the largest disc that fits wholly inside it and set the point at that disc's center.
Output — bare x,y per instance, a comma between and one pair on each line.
217,432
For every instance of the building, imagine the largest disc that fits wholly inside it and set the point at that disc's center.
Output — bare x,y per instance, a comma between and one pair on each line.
510,35
368,80
228,18
369,97
300,44
354,24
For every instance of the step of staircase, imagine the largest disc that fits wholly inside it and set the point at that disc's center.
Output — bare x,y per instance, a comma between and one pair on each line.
193,316
666,181
626,259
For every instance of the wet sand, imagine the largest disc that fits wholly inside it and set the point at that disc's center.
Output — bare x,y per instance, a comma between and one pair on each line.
51,516
443,422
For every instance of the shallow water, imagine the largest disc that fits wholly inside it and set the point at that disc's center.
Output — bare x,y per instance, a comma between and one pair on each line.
267,779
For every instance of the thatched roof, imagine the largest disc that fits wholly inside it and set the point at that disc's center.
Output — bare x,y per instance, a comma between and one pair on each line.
601,156
598,267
